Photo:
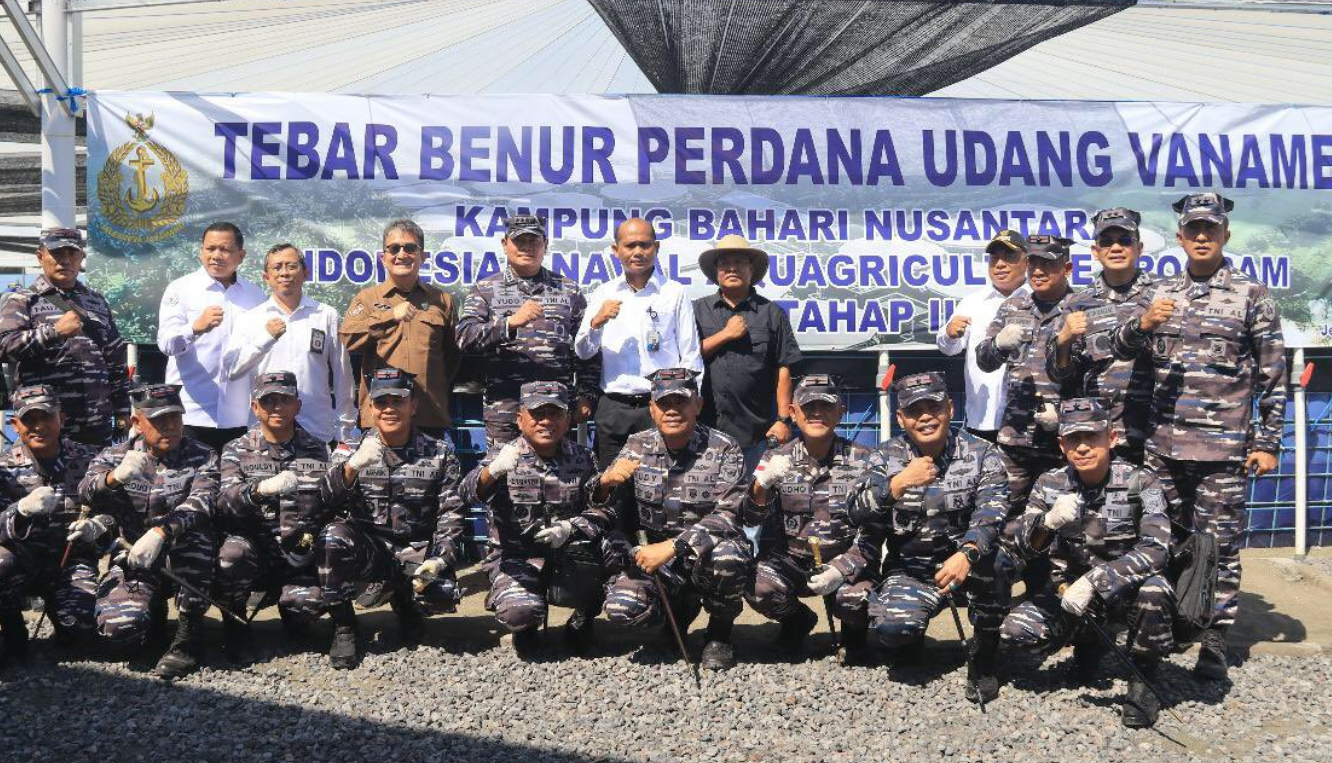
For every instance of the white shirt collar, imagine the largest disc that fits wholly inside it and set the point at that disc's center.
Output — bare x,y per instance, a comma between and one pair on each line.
657,280
306,303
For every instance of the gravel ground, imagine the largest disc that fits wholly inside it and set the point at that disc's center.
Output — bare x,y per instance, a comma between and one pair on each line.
635,704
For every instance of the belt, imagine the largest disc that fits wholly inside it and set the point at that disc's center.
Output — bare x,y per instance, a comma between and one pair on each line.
638,401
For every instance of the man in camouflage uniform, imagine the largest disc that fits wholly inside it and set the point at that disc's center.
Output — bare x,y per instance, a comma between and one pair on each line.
683,485
1102,521
523,322
1214,335
1082,351
806,482
60,333
545,536
937,497
395,496
269,512
39,485
161,486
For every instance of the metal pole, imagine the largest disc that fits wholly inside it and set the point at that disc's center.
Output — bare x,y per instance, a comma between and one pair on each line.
1301,457
885,417
74,74
57,127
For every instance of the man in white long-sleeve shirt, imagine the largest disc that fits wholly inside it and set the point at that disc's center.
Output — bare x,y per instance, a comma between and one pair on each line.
292,332
1007,259
194,323
640,322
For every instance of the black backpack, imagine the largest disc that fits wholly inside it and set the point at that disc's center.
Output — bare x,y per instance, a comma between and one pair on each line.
1193,571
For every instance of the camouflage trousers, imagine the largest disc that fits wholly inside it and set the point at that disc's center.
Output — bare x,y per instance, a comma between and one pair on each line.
501,417
347,557
1040,624
717,577
244,565
125,597
780,581
69,593
901,608
1210,497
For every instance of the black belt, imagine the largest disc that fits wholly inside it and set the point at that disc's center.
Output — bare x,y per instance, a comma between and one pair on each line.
638,401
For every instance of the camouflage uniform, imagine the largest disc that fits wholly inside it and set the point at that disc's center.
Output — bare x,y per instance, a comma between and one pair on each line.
1221,350
539,351
87,370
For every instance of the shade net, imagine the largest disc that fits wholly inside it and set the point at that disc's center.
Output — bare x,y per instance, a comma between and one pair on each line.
832,47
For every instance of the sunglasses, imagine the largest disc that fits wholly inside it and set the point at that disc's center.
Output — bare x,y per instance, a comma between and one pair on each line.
1123,239
393,249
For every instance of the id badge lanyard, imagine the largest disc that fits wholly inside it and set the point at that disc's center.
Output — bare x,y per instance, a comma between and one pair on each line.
653,335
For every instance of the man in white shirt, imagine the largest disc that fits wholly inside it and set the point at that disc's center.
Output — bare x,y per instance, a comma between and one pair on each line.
1007,253
292,332
639,323
194,323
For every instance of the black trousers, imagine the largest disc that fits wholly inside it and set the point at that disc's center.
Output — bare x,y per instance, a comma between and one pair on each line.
617,417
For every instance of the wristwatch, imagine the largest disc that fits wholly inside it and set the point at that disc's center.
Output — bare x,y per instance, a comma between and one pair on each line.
972,553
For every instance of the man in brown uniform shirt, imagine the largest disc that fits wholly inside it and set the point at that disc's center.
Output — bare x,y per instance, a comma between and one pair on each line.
407,324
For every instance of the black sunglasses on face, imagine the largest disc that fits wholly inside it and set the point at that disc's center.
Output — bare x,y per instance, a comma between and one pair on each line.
393,249
1124,239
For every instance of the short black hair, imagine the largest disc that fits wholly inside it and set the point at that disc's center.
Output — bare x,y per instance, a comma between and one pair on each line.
284,246
222,226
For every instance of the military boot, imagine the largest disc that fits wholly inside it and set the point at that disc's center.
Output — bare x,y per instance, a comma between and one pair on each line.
1086,663
718,654
854,651
526,643
1213,661
159,630
982,681
345,651
411,624
182,657
15,633
1140,706
795,627
239,642
578,635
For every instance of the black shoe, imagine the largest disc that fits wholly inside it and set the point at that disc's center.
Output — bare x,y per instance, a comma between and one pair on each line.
1213,661
1086,664
345,651
294,628
982,681
159,632
1140,706
239,642
578,634
718,655
791,638
854,650
15,633
526,643
182,657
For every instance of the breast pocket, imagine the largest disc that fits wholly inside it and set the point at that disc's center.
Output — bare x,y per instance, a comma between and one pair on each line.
1221,350
1117,513
797,505
1166,343
649,485
1101,323
431,322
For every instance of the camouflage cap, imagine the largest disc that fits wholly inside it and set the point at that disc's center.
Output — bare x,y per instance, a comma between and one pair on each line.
1203,206
392,381
35,397
522,225
275,383
1083,414
533,395
674,381
155,400
1047,247
817,387
910,390
1116,217
51,239
1007,241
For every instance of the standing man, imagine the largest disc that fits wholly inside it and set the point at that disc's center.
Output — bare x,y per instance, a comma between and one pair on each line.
58,332
807,483
407,324
546,537
523,322
161,487
1215,339
1006,255
748,350
1083,351
639,323
395,496
292,332
39,484
194,324
270,511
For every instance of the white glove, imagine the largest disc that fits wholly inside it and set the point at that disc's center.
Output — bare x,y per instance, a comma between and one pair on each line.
136,463
505,460
1008,338
1078,596
1064,510
1047,417
430,569
279,484
368,453
146,549
85,530
770,473
826,582
556,535
39,502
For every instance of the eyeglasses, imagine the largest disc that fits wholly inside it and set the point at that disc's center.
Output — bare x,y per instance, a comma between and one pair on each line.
1124,239
1012,258
393,249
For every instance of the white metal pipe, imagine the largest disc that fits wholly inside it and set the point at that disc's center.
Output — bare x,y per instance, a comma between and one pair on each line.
74,70
1301,457
58,151
885,420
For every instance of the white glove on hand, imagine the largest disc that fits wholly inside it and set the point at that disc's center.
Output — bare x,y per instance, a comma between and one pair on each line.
1078,596
505,460
146,549
85,530
826,582
279,484
1064,510
1047,417
1008,338
136,463
368,453
430,569
556,535
770,473
39,502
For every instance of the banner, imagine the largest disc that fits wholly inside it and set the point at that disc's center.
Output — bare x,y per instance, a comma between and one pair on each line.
875,211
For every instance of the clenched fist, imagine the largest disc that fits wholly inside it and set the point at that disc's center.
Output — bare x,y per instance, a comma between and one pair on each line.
1158,313
609,310
919,472
276,327
69,324
957,326
619,472
210,319
530,311
1075,325
405,311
